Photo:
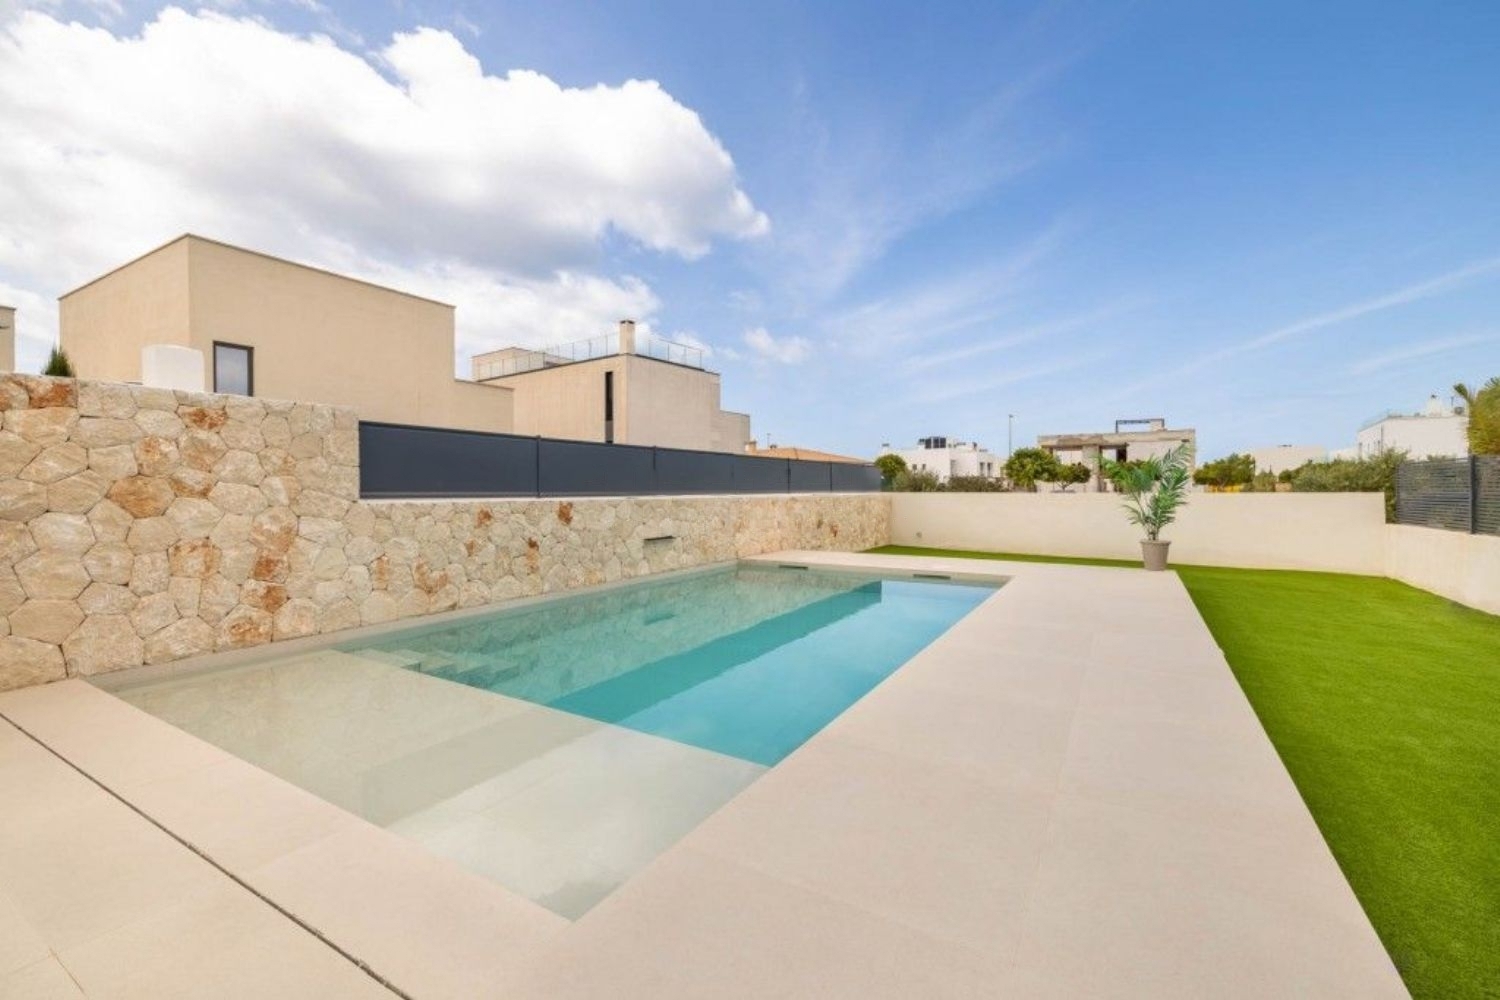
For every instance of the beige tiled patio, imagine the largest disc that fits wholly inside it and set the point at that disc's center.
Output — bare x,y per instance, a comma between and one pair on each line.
1065,795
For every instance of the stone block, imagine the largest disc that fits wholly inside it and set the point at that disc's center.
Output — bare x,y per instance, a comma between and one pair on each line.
157,456
143,496
109,562
58,575
70,533
115,462
24,662
15,453
43,427
46,620
57,461
153,613
106,399
106,599
151,535
103,432
193,518
185,637
21,501
101,644
244,627
77,494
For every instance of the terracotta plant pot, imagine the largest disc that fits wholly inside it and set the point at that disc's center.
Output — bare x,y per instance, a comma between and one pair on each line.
1154,554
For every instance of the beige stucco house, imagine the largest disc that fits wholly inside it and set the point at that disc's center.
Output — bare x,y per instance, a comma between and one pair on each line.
1130,440
269,327
616,389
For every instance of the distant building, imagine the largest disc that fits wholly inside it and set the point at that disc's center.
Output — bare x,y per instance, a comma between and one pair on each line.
801,454
946,459
1278,458
1152,438
1439,431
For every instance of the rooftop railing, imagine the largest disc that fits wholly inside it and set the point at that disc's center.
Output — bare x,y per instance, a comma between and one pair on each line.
588,349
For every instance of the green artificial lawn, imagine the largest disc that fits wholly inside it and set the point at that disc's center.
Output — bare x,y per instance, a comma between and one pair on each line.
1384,702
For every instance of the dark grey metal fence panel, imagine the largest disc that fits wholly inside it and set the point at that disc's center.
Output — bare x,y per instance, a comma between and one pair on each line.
400,461
582,468
680,471
1487,500
849,478
760,475
1453,494
811,477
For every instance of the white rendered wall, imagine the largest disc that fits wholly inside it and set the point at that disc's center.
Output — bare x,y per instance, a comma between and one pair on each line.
1339,532
1419,437
1457,565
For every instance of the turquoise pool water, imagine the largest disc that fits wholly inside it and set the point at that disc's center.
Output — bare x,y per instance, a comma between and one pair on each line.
557,748
749,661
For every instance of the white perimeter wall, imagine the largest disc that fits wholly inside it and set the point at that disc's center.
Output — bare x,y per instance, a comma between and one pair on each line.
1337,532
1459,566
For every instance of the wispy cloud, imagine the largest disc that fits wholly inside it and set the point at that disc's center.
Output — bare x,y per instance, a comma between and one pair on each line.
957,302
1429,288
956,389
1417,351
1026,335
782,350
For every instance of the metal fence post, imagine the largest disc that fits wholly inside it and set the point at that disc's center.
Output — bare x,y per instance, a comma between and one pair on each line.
1473,494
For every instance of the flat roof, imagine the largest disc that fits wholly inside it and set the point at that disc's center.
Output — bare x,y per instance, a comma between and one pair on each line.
255,253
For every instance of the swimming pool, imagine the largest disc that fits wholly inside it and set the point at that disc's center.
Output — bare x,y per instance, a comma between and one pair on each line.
557,747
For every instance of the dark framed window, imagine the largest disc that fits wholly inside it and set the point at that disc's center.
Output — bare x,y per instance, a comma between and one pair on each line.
234,369
609,407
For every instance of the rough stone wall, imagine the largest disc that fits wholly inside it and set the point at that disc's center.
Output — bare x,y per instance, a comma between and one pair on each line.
144,525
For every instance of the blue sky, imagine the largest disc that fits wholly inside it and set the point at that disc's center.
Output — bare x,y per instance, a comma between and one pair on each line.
1265,220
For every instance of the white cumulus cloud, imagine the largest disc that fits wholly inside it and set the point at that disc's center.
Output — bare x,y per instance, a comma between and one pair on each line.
410,165
783,350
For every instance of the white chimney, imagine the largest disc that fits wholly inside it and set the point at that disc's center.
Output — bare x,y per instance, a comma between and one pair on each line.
627,336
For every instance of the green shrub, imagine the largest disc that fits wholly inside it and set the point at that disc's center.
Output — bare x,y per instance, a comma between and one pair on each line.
916,481
1029,466
1232,470
1376,474
1073,474
890,466
974,484
58,364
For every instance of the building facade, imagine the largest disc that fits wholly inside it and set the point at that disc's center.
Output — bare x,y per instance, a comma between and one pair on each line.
946,459
1440,430
1150,438
620,389
197,313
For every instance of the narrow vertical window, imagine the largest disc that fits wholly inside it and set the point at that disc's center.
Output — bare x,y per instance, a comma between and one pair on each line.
234,369
609,407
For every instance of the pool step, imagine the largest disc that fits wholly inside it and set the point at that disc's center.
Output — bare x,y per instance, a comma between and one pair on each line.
409,659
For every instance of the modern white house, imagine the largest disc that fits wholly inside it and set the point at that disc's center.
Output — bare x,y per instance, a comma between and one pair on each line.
1440,430
947,458
1278,458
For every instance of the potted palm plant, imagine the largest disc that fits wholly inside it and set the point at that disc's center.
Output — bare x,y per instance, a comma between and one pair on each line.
1154,488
